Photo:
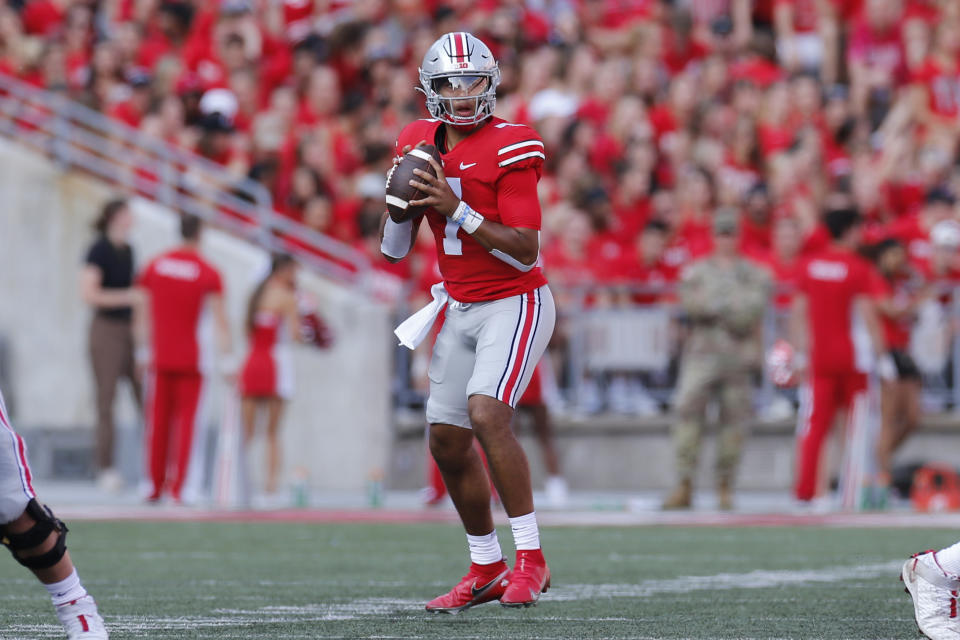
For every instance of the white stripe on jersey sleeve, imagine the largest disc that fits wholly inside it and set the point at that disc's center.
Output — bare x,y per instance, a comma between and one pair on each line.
519,145
521,157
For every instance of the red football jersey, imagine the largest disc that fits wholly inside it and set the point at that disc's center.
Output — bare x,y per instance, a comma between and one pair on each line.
494,170
178,283
832,279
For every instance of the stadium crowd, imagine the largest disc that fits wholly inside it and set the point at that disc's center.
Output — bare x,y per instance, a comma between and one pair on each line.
654,113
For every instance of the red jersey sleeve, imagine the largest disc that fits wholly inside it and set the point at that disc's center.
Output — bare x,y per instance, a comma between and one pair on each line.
519,148
517,199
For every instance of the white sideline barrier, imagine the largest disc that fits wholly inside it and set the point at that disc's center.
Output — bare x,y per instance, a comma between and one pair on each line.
337,427
627,339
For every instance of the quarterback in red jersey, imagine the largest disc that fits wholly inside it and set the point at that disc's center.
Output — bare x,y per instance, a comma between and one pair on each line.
484,212
177,284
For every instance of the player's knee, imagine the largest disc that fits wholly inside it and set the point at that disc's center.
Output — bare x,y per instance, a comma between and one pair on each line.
42,540
448,446
489,415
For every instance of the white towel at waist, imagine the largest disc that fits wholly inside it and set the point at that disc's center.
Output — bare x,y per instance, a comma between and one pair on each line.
414,329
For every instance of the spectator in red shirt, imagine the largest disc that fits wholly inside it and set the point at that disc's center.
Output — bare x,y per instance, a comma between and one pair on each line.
644,267
875,57
936,87
177,287
900,396
942,270
692,227
132,110
913,231
806,36
834,285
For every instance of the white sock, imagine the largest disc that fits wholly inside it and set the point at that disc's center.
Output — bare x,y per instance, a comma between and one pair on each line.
67,590
526,533
485,549
949,559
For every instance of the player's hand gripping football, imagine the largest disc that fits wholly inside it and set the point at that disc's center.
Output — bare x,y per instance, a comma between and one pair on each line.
439,194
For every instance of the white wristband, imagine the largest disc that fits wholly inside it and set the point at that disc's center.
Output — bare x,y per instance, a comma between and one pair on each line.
396,238
141,355
467,218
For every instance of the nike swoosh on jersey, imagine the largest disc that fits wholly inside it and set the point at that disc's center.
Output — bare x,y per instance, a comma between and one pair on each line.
466,166
477,592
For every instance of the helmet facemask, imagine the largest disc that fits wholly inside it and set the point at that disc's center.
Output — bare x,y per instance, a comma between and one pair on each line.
451,70
443,92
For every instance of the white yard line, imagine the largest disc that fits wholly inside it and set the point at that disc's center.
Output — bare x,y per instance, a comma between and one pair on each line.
366,608
759,579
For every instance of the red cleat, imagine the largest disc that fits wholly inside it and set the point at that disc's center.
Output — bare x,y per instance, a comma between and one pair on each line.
483,583
529,579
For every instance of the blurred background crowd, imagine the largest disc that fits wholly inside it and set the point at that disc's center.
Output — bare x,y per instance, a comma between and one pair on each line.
651,111
672,128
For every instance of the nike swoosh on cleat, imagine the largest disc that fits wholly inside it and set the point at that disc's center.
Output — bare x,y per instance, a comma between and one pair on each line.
466,166
477,592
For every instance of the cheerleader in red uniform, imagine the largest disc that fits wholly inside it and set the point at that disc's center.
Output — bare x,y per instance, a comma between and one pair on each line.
266,382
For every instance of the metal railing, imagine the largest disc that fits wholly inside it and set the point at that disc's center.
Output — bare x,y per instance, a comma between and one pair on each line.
79,138
645,341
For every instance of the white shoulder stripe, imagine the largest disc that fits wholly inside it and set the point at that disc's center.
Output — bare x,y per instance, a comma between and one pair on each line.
521,157
525,143
508,124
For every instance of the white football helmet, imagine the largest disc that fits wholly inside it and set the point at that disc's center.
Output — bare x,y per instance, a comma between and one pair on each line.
459,60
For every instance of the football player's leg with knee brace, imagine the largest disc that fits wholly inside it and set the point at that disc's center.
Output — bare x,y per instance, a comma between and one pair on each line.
38,541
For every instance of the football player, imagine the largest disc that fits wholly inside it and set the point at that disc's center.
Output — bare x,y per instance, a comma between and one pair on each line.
484,213
37,539
932,579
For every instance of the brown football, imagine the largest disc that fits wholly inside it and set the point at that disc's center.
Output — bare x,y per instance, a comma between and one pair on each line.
399,191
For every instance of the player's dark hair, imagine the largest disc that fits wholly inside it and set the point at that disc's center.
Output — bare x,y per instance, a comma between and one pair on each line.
190,227
108,213
277,262
840,220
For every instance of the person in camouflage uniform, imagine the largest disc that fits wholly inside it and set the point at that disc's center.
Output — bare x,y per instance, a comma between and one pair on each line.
724,298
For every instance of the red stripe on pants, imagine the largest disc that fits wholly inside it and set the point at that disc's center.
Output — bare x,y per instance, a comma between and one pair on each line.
27,477
172,415
829,393
523,347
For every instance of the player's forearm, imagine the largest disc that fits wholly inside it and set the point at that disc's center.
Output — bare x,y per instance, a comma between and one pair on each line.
396,239
521,245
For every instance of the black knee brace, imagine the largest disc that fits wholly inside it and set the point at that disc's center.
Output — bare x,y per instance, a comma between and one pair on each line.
45,524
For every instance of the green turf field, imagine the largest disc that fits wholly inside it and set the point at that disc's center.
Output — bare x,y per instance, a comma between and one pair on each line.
279,581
